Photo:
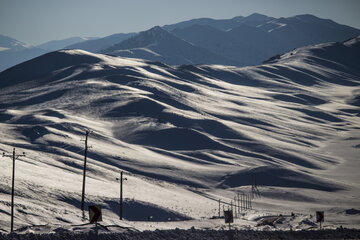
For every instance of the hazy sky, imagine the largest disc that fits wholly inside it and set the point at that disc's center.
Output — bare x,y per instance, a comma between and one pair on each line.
38,21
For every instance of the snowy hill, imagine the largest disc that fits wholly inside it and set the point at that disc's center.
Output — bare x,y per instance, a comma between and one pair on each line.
185,136
157,44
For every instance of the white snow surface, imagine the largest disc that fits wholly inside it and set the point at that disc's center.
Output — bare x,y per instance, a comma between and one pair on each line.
185,136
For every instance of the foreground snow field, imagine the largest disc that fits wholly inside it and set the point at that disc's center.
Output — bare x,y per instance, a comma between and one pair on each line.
186,137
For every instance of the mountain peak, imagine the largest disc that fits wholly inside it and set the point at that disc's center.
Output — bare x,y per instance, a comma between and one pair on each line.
307,17
256,16
156,28
143,39
8,43
155,31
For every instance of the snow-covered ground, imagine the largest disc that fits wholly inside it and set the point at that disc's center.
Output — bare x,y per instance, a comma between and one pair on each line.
186,137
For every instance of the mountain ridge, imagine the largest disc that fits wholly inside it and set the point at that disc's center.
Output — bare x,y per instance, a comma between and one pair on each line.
240,49
60,44
157,44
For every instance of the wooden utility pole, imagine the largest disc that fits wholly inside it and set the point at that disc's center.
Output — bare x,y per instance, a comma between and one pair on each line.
254,189
219,208
84,171
121,194
14,157
250,206
238,201
241,201
235,204
246,202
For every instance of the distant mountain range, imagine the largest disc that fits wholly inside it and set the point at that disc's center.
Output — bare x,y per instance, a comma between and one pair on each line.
240,41
222,24
160,45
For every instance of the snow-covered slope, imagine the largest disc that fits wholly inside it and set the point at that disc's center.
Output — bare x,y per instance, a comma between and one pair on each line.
186,136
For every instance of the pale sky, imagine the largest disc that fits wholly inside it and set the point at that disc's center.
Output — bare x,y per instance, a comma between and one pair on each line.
39,21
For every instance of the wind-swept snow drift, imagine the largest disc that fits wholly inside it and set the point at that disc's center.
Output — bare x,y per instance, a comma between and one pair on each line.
186,135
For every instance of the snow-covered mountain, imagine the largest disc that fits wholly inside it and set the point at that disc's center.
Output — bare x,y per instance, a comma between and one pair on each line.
244,44
8,43
13,52
157,44
96,45
256,38
302,30
254,19
60,44
185,136
240,41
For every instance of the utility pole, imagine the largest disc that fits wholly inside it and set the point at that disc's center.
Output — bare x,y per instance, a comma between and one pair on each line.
250,207
240,204
243,201
250,201
238,201
235,207
254,189
84,172
13,156
246,201
121,193
219,208
244,198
